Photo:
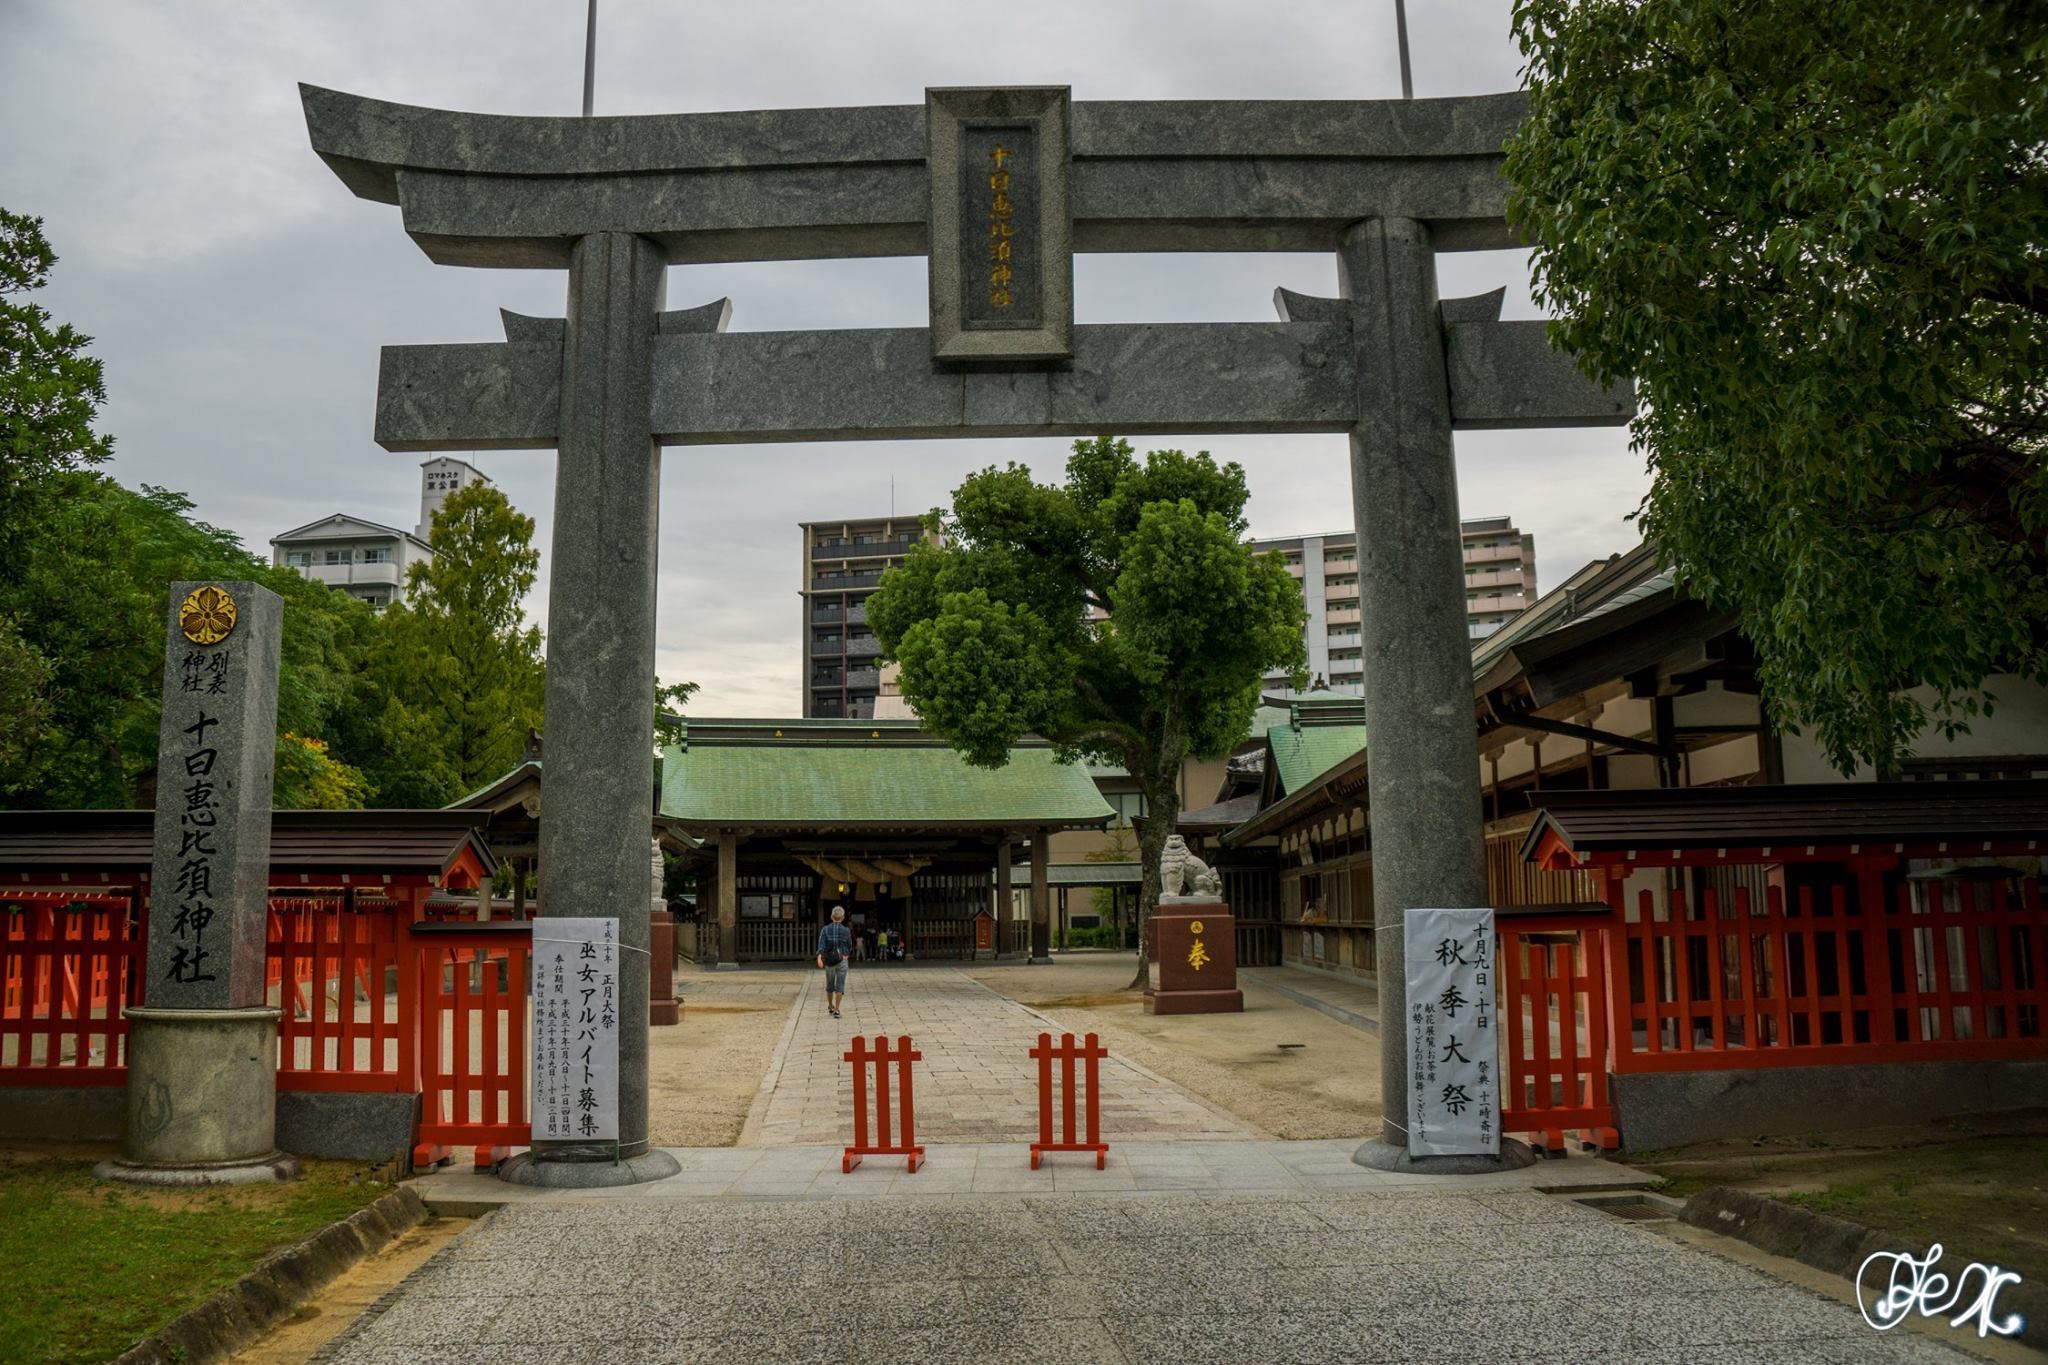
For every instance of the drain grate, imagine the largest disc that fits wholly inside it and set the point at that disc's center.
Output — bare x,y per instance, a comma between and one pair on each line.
1637,1206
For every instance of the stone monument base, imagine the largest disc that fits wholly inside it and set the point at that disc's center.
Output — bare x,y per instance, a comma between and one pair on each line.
1194,967
526,1169
1380,1155
202,1099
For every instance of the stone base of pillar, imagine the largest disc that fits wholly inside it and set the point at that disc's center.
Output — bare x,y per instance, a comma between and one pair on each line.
1380,1155
202,1099
1040,962
651,1165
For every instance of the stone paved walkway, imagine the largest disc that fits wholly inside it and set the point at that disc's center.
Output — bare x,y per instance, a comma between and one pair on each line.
1437,1273
975,1084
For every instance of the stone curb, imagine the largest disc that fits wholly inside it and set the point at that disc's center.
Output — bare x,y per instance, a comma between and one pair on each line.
275,1289
1364,1023
1835,1245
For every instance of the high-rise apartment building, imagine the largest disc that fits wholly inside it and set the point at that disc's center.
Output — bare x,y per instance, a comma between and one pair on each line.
842,564
1500,583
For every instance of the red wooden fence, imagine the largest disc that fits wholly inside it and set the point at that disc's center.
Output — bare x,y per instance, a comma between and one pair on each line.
903,1143
344,985
1948,970
67,974
472,1043
1066,1054
1554,1006
1868,970
368,1001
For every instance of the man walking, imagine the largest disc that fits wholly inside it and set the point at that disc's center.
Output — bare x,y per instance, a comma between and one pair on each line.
835,946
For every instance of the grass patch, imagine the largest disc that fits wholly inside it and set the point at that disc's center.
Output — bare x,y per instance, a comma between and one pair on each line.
1983,1198
95,1267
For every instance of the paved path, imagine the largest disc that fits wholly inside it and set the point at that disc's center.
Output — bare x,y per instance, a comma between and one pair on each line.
975,1083
971,1169
1469,1272
1348,1000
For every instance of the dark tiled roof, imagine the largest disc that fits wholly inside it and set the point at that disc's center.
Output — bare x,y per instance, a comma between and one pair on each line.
356,842
1792,816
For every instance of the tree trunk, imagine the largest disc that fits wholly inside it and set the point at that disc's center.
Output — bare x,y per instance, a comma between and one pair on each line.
1160,781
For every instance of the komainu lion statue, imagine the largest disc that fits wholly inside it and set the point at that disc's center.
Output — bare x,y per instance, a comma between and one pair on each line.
1178,868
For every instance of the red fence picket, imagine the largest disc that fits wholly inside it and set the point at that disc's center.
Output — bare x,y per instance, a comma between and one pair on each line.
473,1033
1066,1054
880,1056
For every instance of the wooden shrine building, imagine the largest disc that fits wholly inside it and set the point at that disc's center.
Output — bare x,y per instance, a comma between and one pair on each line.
790,817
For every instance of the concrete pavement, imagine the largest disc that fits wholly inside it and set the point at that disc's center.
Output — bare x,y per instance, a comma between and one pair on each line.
1467,1271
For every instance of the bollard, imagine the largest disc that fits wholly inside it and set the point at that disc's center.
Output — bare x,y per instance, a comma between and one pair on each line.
880,1056
1045,1054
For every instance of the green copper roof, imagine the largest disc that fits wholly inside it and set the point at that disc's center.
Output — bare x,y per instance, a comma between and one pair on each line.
773,782
1300,755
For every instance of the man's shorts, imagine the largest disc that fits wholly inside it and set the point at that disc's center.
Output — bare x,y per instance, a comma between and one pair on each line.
835,979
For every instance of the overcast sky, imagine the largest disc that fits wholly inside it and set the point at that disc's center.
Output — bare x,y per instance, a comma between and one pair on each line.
239,293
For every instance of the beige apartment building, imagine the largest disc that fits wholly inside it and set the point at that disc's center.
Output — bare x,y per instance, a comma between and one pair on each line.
843,563
1500,584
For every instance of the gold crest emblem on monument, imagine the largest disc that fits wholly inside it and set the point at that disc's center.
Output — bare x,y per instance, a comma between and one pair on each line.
207,615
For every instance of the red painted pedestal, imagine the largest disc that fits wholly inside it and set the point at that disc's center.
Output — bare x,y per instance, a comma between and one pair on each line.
662,1005
1195,967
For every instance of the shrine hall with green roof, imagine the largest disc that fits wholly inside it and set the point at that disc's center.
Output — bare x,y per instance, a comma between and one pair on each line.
786,818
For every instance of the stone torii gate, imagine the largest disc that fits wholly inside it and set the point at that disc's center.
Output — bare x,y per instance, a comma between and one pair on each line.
998,188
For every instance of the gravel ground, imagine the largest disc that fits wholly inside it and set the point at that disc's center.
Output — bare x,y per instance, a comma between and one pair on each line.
1327,1087
704,1072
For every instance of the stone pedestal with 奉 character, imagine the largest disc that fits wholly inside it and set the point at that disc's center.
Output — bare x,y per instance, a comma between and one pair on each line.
202,1047
1194,940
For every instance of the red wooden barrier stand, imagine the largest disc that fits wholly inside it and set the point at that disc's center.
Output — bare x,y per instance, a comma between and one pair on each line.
1091,1052
880,1055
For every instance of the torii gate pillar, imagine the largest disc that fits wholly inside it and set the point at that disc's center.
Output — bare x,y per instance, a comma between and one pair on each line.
600,685
1422,766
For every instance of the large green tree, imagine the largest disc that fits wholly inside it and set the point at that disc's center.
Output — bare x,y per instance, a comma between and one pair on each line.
87,596
1817,235
457,674
50,389
1120,615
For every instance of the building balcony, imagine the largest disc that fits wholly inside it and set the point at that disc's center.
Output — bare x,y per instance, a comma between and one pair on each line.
1331,566
384,575
862,646
1495,554
845,581
1477,606
1342,616
857,615
1494,578
864,677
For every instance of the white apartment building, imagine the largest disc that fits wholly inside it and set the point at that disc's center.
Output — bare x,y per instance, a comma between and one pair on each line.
368,559
1500,584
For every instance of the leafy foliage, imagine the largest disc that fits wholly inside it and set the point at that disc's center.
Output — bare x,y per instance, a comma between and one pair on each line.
307,777
50,389
1814,233
88,597
1119,615
456,676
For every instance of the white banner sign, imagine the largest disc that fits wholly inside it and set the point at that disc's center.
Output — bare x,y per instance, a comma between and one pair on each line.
575,1030
1453,1087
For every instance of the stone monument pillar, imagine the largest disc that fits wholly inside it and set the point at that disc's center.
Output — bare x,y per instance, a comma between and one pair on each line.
202,1046
1422,760
600,690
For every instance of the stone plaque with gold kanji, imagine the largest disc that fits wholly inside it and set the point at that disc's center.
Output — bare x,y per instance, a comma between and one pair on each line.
1002,276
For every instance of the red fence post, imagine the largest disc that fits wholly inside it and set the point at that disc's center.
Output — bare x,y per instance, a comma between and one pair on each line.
1090,1054
902,1140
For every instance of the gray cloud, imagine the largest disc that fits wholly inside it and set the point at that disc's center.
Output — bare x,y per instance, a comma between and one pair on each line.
239,294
